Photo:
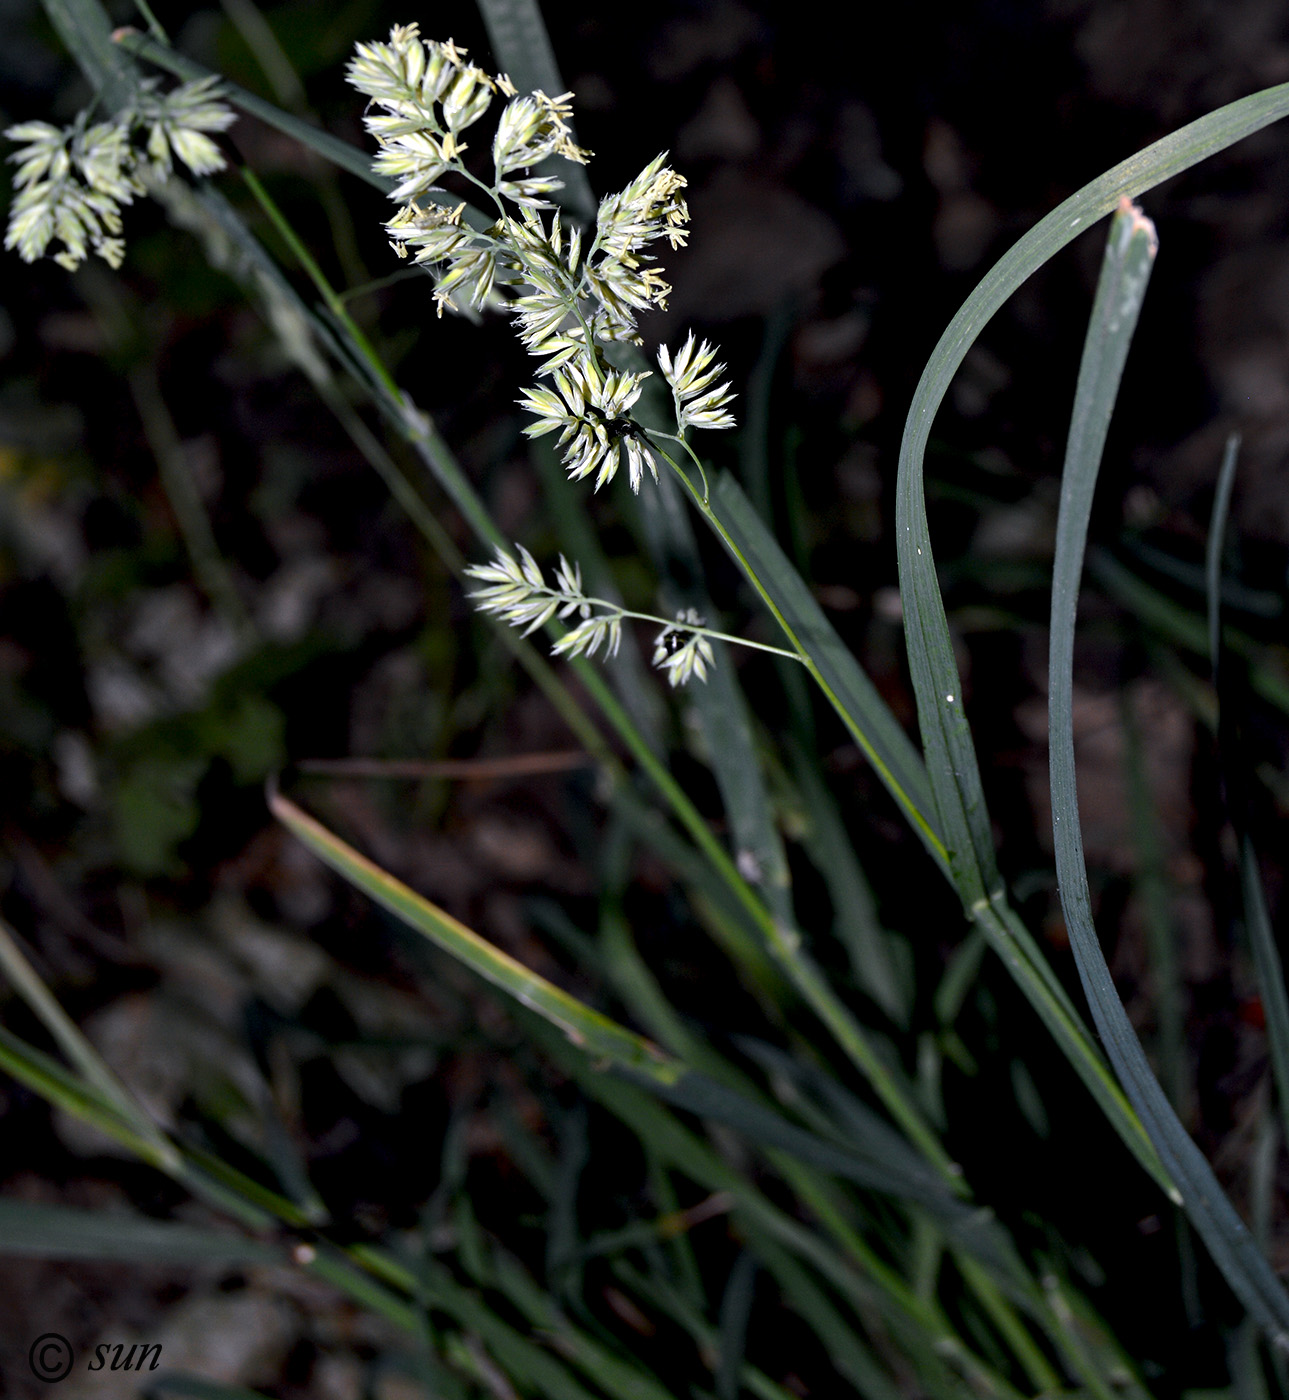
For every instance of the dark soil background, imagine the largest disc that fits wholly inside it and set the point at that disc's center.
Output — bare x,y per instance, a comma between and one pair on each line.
850,180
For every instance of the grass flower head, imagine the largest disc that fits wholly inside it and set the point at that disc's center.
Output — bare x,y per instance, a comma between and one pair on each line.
72,181
569,294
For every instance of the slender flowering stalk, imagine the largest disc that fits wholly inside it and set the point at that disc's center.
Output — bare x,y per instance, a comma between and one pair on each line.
568,294
72,181
517,592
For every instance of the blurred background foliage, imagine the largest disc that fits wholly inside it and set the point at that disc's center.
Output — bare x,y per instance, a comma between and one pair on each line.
202,584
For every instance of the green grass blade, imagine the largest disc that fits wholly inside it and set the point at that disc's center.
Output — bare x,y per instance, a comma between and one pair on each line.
1185,628
77,1050
1213,548
523,49
950,753
1153,891
46,1077
563,1235
605,1042
34,1231
1269,968
359,1285
863,711
759,853
588,1029
1129,255
672,1303
1257,918
736,1312
614,1374
83,26
869,946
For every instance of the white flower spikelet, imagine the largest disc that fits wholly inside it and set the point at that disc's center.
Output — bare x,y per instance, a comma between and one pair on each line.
72,181
691,377
177,123
516,591
680,652
589,411
518,594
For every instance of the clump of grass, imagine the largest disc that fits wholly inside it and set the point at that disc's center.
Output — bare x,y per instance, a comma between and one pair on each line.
817,1143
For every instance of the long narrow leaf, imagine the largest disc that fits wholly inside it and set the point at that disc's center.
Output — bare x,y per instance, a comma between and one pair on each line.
606,1043
925,1334
854,697
588,1029
1269,967
1129,255
736,1312
75,1047
950,754
33,1231
951,762
43,1075
855,922
1257,917
1213,548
